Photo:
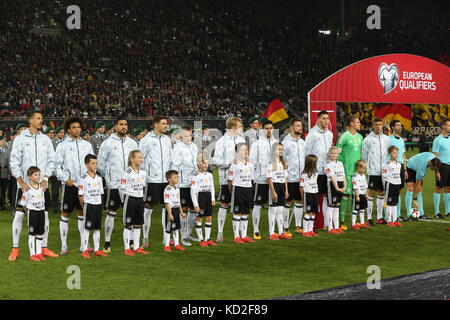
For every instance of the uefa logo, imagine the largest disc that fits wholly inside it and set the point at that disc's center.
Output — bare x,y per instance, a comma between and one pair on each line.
388,76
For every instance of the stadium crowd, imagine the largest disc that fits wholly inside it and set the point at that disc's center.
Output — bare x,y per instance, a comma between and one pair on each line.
179,58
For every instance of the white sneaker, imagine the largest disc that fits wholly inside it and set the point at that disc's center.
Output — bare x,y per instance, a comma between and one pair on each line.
186,243
64,251
192,238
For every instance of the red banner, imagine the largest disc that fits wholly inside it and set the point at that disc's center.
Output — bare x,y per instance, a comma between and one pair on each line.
392,78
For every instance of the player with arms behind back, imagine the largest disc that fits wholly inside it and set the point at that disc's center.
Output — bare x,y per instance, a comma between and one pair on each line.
359,195
132,186
336,187
173,211
90,191
310,194
203,199
240,178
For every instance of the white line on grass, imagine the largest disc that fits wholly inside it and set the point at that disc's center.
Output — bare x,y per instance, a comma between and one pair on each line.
435,221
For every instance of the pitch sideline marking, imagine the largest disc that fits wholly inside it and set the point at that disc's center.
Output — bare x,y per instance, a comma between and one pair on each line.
435,221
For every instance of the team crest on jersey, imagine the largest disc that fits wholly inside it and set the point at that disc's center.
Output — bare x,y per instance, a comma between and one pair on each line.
80,187
328,171
115,148
167,196
123,181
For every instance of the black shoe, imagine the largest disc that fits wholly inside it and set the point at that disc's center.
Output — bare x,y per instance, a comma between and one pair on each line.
413,219
448,215
439,216
401,219
107,248
424,217
370,222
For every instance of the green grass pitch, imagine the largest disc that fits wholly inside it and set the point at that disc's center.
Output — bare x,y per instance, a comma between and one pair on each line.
261,270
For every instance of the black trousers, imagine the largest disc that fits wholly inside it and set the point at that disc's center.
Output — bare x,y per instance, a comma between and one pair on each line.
11,194
4,183
56,188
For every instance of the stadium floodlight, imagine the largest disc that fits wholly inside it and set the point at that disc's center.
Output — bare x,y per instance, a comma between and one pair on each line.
327,32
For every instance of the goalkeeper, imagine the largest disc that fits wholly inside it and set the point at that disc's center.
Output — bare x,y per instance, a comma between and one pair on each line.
350,144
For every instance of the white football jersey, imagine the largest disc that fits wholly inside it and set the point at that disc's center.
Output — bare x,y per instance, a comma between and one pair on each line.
172,196
279,175
335,169
33,199
133,183
202,182
359,183
391,172
91,188
309,184
241,174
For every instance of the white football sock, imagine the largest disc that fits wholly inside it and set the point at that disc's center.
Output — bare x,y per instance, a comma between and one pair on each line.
236,225
306,223
326,213
31,245
109,225
96,237
17,228
64,230
330,211
176,239
126,238
191,223
380,206
81,227
311,223
208,227
336,218
183,224
221,217
244,225
147,221
46,230
272,216
279,217
285,212
361,216
163,219
369,208
394,213
256,215
39,244
354,218
198,229
298,212
136,237
85,239
388,213
166,238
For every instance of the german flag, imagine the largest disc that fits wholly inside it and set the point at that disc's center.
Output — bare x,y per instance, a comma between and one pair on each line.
394,112
275,112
